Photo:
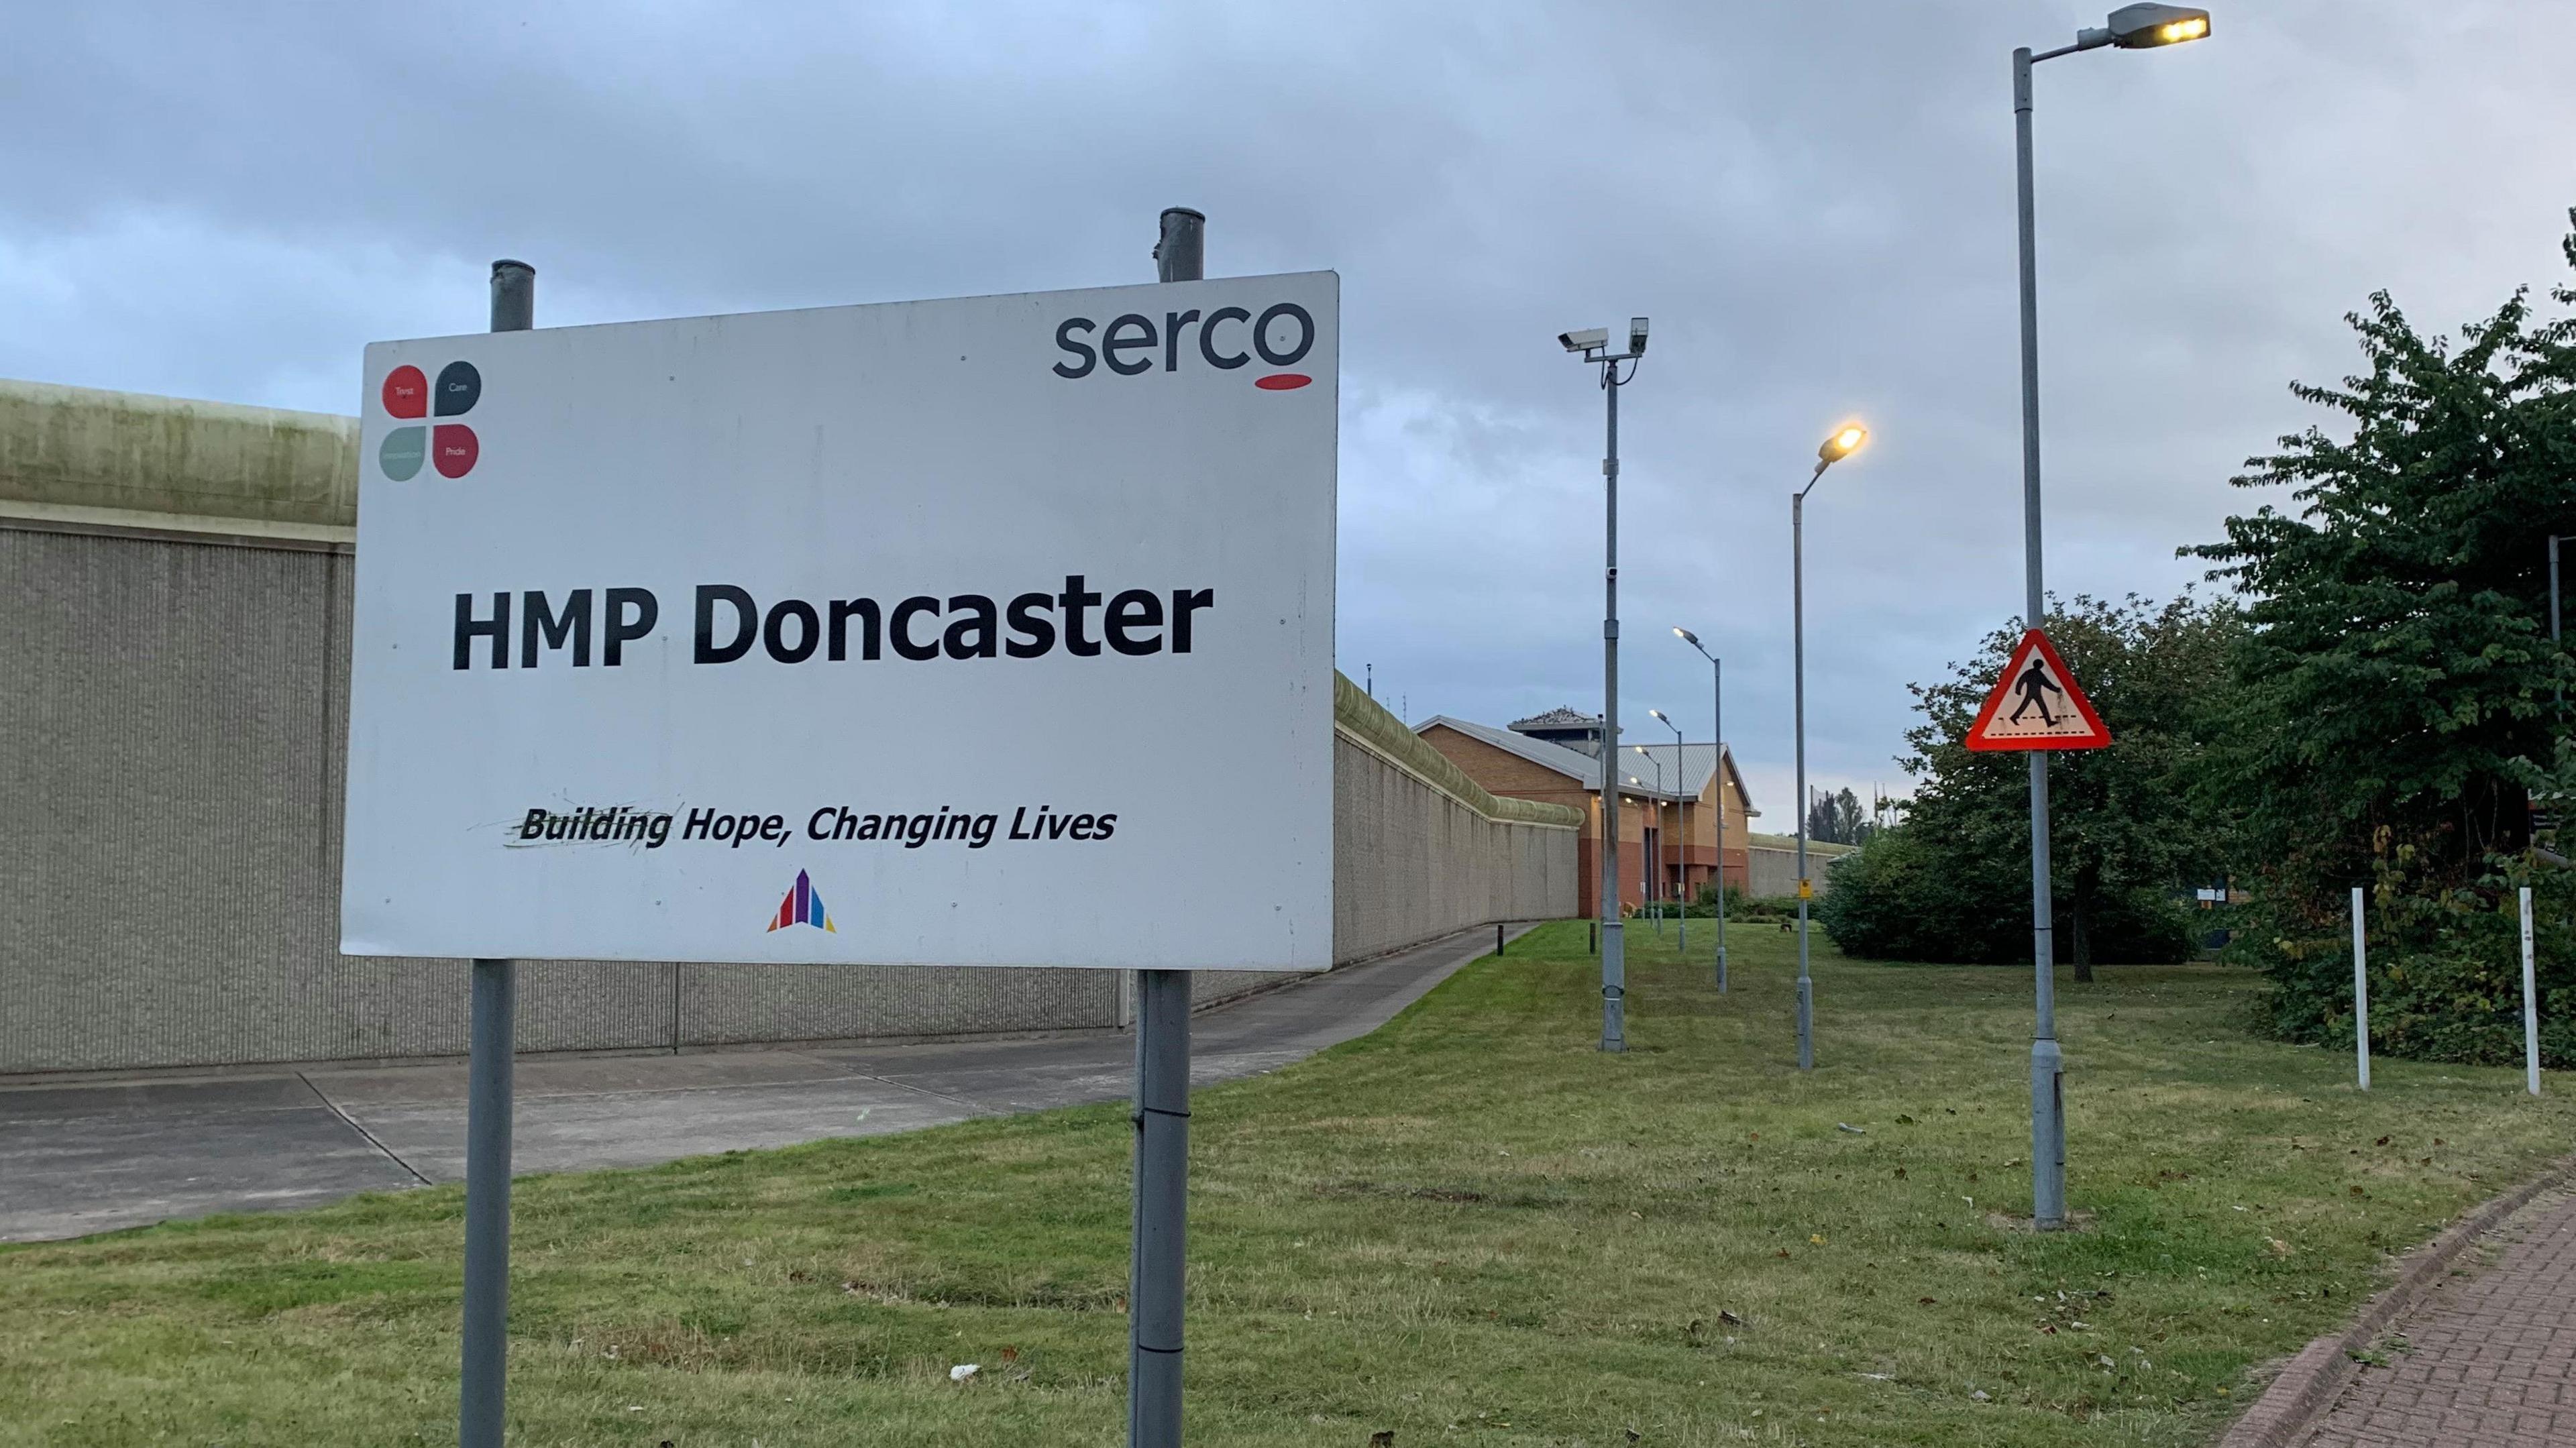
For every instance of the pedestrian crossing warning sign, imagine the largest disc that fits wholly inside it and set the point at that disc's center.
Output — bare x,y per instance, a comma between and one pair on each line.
2036,705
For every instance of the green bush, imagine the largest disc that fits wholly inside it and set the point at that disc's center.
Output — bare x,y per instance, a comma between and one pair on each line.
1901,899
1905,898
2445,967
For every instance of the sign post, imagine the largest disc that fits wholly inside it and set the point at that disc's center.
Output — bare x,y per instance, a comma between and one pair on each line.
2360,993
796,637
483,1379
2037,724
1158,1253
2530,1004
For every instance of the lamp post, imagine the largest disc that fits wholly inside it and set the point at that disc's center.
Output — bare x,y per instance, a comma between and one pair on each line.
2131,27
1593,346
1681,779
1845,441
1717,725
1645,882
1650,870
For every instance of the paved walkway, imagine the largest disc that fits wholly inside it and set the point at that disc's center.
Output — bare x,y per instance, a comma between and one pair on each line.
92,1156
2487,1359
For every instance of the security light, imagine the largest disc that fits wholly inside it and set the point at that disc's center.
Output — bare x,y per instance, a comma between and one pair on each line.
2142,27
1686,636
1636,336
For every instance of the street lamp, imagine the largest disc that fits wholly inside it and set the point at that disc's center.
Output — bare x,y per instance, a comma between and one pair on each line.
2131,27
1593,346
1846,440
1681,781
1650,870
1717,725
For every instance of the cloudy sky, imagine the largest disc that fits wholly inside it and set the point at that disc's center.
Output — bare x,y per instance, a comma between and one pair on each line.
1813,201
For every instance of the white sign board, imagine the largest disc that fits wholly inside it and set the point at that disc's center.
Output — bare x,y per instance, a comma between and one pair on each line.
995,631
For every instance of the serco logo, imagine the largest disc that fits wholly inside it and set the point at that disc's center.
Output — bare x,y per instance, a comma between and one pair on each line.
1281,336
451,447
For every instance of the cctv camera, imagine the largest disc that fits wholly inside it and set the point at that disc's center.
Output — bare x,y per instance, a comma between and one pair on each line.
1585,341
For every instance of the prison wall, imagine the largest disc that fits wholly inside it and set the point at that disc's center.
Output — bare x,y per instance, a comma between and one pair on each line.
175,585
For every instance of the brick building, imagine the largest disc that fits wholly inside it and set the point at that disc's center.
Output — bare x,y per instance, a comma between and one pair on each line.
1555,758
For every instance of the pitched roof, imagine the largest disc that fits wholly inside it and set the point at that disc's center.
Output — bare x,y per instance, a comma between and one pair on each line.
1689,775
1572,763
1688,781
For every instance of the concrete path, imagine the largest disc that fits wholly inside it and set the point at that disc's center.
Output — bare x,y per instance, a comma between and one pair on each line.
93,1156
2487,1359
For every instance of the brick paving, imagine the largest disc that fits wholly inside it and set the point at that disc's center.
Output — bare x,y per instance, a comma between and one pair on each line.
2486,1359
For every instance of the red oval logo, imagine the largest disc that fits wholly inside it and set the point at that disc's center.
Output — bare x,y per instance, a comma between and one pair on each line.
453,449
1282,381
406,392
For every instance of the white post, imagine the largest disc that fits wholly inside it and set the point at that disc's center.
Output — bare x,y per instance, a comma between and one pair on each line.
2360,992
2530,1004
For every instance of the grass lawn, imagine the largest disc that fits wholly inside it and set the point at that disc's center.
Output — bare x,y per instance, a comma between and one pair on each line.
1469,1228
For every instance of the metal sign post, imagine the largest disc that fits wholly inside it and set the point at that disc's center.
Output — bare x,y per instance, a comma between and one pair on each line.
1158,1256
483,1382
2360,992
2530,1004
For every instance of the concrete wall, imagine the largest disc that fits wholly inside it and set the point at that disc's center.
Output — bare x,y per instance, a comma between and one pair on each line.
1772,871
171,730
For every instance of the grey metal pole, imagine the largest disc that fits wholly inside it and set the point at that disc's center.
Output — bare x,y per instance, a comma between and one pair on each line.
2530,1004
1798,656
483,1378
2047,1062
1650,870
1180,253
1614,951
2557,693
1158,1257
1681,811
1162,1208
2360,993
483,1384
1717,712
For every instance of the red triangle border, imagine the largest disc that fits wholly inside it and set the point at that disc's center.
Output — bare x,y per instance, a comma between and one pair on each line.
2098,734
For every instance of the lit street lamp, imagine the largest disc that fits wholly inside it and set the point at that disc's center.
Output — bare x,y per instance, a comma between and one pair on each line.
1845,441
1681,779
1593,346
1717,725
2131,27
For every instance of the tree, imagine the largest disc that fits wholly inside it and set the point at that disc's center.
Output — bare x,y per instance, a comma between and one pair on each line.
2395,700
2127,832
1836,819
2396,670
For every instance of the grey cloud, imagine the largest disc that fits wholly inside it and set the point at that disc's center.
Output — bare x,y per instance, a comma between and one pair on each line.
1813,201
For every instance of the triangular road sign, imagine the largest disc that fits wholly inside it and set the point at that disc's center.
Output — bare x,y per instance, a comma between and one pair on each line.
2036,705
